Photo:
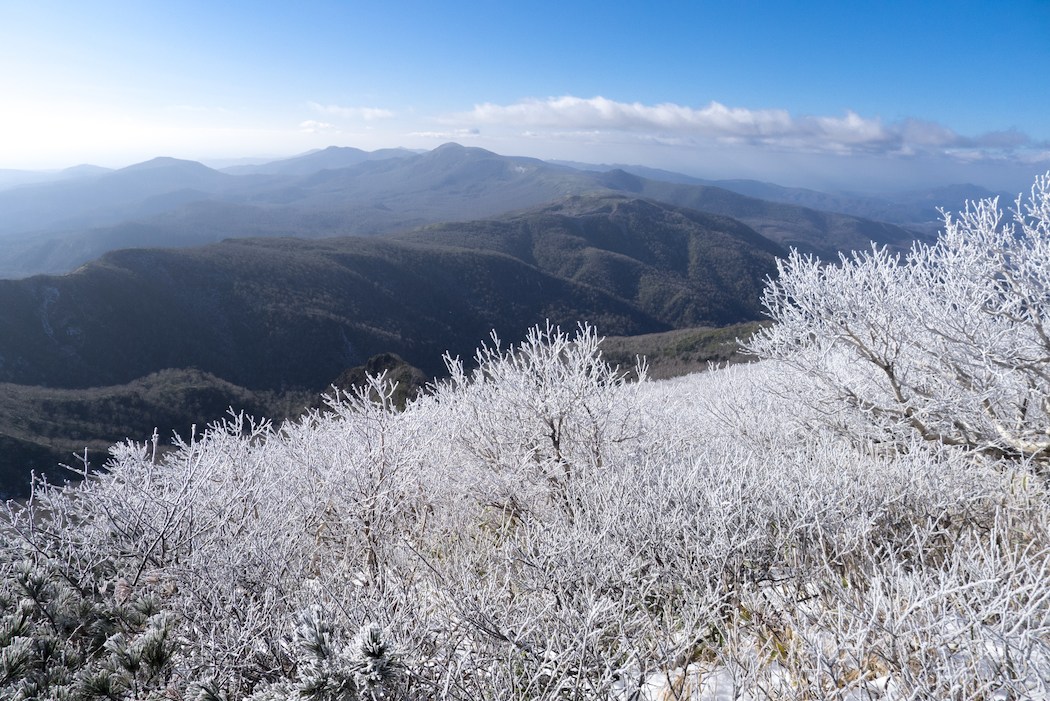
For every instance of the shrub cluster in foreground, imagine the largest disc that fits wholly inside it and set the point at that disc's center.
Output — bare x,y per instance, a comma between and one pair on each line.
539,528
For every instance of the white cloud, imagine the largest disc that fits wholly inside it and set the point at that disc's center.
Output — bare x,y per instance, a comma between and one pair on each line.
447,135
1010,138
367,114
311,126
600,113
848,134
1037,157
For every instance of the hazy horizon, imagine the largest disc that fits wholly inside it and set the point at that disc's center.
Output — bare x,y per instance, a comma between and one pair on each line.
872,96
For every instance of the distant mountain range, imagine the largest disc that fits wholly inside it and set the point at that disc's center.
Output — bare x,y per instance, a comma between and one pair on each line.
331,158
55,227
917,210
288,313
10,178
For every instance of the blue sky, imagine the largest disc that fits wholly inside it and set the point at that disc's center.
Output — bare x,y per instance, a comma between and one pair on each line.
828,94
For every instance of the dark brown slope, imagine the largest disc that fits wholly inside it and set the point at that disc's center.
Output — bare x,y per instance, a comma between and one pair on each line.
277,313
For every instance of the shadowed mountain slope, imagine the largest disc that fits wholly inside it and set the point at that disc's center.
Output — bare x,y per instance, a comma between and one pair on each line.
684,268
42,428
289,313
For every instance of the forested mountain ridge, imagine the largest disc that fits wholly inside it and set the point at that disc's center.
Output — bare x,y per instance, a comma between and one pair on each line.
259,318
329,158
642,251
917,210
291,313
55,227
811,231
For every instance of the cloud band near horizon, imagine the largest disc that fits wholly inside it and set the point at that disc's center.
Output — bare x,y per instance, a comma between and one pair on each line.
848,134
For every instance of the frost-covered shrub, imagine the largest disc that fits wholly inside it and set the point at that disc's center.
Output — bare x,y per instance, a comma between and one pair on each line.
329,668
951,343
538,418
538,528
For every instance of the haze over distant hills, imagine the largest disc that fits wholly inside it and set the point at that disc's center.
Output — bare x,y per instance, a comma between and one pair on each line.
54,227
917,210
331,158
10,178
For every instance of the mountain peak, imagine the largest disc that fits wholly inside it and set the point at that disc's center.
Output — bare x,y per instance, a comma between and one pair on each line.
621,180
452,148
166,162
333,149
84,169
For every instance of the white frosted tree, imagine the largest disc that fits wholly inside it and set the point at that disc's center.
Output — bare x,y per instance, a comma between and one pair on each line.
951,342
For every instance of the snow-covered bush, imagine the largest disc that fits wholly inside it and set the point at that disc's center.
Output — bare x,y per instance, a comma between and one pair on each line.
951,343
539,418
537,528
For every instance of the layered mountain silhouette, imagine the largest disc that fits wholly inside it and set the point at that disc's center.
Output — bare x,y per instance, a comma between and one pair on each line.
55,227
917,210
138,190
11,178
331,158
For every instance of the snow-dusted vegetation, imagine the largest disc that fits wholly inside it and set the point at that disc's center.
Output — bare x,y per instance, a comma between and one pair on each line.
952,343
840,521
